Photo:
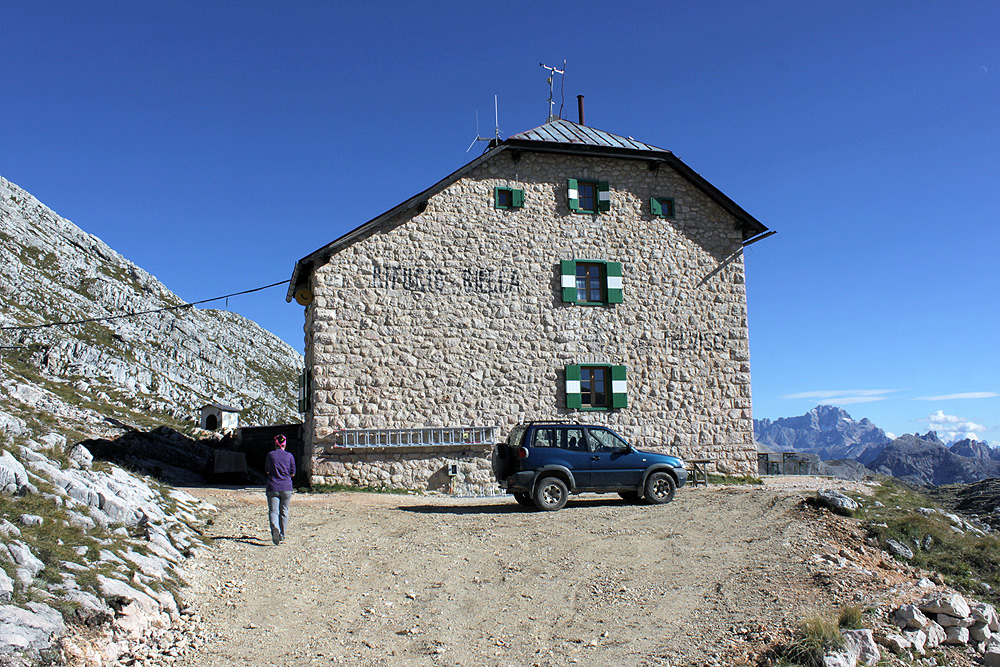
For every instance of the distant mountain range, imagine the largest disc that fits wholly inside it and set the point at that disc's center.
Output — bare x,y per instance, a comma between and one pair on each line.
836,444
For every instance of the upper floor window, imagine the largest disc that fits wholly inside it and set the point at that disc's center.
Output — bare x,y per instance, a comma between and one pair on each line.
508,198
662,207
591,281
588,196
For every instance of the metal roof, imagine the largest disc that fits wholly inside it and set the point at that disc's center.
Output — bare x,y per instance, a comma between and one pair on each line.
567,132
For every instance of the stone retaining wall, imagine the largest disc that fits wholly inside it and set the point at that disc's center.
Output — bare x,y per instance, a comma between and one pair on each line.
415,468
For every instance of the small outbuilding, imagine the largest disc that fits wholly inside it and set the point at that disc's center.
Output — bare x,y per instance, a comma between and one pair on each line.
215,416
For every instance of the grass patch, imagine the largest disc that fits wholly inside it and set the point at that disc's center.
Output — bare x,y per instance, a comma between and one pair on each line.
814,638
715,478
966,560
337,488
851,618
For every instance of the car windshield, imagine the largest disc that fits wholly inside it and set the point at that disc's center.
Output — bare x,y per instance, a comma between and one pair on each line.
606,441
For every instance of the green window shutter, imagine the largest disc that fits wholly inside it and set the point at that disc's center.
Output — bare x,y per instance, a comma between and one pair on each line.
655,207
496,197
517,198
574,400
567,280
573,193
619,387
613,276
603,196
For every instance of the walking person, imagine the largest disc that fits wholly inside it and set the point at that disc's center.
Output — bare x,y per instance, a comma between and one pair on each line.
280,468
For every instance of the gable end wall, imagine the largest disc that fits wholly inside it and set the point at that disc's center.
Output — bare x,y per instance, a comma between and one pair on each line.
454,317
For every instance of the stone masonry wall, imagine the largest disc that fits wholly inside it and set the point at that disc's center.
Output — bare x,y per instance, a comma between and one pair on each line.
408,468
453,316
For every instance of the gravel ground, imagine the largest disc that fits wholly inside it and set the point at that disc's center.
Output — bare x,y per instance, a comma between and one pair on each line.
367,579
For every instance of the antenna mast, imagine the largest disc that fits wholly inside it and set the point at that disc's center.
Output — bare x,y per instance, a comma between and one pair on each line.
553,71
495,140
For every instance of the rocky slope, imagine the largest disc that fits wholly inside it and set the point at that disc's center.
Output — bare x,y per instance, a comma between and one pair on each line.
166,364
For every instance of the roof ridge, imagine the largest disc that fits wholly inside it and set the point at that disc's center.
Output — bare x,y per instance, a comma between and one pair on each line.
564,131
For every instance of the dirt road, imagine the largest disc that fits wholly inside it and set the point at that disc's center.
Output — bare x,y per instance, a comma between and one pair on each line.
369,579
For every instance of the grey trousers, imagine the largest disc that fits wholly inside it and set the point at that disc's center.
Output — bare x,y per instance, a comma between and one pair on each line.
277,509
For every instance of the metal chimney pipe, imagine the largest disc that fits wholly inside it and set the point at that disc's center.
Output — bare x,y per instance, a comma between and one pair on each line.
579,106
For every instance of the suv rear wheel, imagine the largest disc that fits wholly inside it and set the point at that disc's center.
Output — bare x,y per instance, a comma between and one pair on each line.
660,488
550,494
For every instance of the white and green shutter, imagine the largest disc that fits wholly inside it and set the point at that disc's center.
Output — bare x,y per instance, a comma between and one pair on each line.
619,387
568,280
574,398
613,278
573,192
603,196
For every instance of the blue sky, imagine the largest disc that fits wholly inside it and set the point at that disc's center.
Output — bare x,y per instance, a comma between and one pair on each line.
214,144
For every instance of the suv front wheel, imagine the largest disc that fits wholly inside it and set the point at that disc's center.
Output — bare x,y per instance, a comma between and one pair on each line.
660,488
550,494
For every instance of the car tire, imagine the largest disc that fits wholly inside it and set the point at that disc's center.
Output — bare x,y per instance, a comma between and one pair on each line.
523,499
660,488
550,494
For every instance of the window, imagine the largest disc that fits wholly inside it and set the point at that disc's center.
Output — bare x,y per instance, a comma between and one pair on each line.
596,387
662,207
606,441
591,281
588,196
508,198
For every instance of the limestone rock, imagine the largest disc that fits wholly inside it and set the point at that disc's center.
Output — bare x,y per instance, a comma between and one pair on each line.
956,634
895,643
917,639
952,604
986,613
909,616
897,548
935,635
836,500
81,456
862,647
13,476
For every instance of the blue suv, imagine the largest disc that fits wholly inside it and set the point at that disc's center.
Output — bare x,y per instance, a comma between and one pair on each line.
541,463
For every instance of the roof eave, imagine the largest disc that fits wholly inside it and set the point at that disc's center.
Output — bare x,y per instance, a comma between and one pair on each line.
330,249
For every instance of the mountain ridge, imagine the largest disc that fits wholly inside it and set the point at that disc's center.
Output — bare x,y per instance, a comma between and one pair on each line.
167,363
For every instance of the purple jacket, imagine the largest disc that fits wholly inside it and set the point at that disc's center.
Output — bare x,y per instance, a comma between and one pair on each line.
280,468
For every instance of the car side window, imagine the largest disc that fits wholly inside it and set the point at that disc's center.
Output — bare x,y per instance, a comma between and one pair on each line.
606,441
573,440
544,437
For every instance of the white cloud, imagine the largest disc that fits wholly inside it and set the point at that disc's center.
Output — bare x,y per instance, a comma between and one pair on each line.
951,428
957,397
844,397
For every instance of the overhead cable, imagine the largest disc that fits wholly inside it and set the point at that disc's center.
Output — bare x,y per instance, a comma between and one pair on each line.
182,306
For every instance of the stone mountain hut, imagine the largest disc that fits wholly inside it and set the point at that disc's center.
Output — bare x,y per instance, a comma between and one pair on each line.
567,273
